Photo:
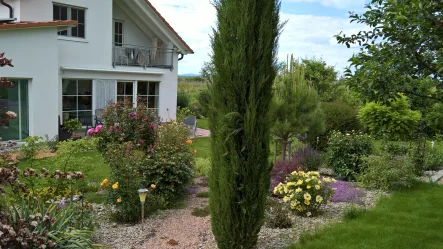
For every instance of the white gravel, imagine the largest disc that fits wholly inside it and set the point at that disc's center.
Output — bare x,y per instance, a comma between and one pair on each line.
180,226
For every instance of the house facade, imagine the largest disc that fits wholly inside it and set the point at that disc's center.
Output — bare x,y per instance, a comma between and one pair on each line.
72,57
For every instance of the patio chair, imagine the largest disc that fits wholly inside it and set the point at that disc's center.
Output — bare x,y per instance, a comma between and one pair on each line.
191,121
98,117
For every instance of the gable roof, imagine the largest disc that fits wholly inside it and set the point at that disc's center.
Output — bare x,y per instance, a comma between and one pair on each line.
25,25
169,26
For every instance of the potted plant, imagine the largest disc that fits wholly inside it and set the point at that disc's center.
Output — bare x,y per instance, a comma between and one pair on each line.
72,125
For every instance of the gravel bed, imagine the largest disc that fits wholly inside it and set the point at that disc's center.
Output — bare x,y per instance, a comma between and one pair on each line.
180,229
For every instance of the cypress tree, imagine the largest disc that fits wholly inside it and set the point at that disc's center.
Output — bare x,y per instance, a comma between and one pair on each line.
244,45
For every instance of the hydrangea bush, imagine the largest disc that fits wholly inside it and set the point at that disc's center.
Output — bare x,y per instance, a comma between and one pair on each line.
305,192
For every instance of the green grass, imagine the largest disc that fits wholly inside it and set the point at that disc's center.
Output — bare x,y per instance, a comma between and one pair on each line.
191,88
410,219
202,145
203,124
203,194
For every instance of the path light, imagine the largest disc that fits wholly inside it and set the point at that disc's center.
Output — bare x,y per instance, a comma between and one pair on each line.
142,193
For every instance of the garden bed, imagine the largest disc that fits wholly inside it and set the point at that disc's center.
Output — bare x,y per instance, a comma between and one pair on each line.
179,228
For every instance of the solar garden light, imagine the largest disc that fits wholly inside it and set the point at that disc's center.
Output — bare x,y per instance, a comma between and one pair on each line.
142,193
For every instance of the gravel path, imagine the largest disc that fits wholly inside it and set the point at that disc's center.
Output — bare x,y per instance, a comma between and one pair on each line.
181,230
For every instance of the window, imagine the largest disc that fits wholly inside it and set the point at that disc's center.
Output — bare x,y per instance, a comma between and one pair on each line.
77,100
118,33
61,12
149,92
15,100
125,90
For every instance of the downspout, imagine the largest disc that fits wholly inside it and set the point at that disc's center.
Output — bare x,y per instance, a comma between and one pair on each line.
11,11
181,57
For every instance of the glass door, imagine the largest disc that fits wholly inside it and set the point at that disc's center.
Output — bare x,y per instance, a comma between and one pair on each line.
14,111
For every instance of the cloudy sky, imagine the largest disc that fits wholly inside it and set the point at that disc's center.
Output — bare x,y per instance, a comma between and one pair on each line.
309,32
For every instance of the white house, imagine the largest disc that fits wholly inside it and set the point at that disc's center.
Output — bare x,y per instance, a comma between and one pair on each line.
71,57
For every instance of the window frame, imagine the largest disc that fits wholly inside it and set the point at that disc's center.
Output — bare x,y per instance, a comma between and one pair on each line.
116,44
125,94
77,111
69,31
147,95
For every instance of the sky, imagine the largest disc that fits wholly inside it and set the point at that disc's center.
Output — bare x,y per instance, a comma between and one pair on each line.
309,32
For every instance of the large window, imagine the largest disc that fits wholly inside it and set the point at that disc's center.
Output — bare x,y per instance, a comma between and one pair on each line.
149,92
118,33
61,12
125,90
77,100
14,100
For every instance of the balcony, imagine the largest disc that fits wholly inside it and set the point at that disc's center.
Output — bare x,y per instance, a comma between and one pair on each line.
140,56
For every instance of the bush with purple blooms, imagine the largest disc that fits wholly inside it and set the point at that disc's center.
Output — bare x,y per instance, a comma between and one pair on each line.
309,158
347,192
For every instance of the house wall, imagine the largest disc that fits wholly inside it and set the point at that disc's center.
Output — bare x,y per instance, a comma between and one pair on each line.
4,11
36,60
133,34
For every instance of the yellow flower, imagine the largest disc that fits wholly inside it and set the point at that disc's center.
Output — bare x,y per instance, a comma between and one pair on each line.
317,187
293,204
327,180
300,182
308,180
285,189
189,141
307,196
119,200
319,182
194,151
104,182
299,208
291,184
285,199
301,173
175,123
115,185
319,199
307,203
333,180
308,187
153,186
298,190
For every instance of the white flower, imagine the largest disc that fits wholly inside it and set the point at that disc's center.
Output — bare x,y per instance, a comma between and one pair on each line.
34,224
308,214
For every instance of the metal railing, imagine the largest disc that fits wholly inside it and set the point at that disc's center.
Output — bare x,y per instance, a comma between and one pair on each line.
141,56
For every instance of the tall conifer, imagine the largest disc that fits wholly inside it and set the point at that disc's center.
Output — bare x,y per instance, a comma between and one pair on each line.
244,47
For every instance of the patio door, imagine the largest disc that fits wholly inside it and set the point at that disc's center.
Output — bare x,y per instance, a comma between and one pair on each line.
14,101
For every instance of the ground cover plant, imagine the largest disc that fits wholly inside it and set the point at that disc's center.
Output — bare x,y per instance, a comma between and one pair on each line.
409,219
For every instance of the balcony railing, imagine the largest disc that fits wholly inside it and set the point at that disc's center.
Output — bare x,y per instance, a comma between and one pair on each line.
140,56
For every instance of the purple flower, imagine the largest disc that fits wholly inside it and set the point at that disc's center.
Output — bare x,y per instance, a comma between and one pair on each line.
132,115
347,192
153,126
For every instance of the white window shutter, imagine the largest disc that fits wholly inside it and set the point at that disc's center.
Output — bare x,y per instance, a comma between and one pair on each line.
105,91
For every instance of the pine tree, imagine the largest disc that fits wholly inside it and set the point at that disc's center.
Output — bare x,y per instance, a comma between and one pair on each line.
244,47
295,108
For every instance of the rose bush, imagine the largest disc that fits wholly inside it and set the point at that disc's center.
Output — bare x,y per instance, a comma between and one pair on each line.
305,192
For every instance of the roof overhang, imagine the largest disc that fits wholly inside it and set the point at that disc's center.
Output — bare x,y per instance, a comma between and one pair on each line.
149,14
60,25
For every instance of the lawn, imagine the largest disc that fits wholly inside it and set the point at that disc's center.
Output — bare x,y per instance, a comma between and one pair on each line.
203,124
411,218
202,145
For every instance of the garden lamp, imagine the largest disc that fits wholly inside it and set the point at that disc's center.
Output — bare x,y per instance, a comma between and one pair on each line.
142,193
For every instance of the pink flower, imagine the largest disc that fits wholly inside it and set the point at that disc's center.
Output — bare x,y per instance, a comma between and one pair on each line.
153,126
132,115
91,132
98,128
141,142
111,128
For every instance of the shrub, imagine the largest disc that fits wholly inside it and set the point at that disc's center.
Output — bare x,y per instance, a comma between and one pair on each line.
387,172
123,123
396,149
204,99
183,99
305,193
394,120
202,167
434,159
282,169
345,153
31,147
309,158
338,117
277,214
